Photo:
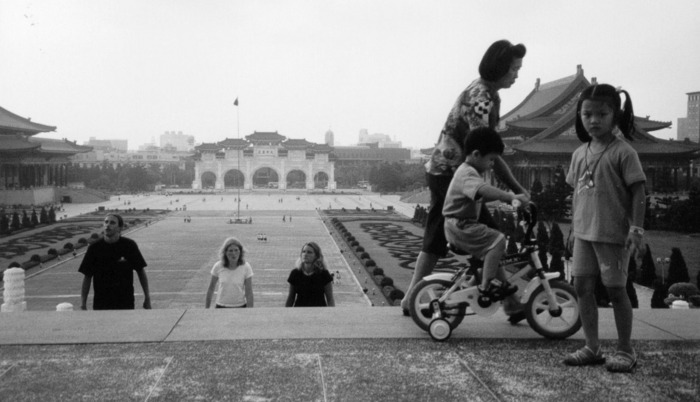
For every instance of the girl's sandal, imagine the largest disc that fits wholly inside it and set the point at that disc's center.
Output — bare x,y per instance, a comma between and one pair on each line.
622,362
584,357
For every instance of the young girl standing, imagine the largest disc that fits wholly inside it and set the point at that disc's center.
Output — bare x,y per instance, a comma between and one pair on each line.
234,276
608,215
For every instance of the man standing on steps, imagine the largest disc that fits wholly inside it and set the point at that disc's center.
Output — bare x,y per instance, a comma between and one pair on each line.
109,263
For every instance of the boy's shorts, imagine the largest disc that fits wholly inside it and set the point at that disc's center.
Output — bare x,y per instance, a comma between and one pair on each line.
608,260
475,238
434,241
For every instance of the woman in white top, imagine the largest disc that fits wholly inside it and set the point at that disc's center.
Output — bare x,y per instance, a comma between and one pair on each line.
234,276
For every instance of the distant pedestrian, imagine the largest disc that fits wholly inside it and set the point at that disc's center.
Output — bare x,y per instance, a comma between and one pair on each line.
234,277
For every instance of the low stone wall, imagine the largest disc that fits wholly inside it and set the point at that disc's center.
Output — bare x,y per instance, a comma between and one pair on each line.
34,196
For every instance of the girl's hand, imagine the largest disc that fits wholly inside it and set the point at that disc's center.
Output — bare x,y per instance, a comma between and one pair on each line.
634,245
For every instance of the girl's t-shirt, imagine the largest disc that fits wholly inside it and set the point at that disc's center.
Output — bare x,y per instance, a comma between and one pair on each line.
310,289
231,287
602,209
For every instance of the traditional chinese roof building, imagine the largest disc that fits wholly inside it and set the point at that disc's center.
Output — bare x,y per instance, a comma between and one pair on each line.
540,134
31,167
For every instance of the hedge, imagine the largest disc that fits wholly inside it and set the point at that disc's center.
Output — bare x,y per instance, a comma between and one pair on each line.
370,263
377,271
386,282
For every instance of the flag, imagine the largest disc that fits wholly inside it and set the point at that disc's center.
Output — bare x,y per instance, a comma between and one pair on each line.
235,103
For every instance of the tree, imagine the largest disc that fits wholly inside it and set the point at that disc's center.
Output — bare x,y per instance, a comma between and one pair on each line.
677,269
52,215
43,216
15,224
660,294
512,247
26,222
552,201
648,270
34,218
4,222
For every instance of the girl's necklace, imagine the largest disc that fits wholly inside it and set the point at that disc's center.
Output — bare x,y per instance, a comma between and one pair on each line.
586,180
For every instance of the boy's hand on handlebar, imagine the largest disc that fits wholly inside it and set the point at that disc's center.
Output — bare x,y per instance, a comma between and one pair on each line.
520,200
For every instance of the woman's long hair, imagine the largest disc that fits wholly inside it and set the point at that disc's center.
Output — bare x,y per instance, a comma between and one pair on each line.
319,264
222,253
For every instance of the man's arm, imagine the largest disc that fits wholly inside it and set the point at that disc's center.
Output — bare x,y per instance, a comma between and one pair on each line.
144,285
84,291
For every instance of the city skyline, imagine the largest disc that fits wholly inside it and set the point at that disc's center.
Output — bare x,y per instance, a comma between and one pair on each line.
134,70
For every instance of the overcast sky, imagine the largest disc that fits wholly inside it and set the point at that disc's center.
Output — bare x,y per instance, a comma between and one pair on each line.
136,68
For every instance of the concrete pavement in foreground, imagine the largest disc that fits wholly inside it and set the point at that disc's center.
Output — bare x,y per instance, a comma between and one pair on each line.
354,352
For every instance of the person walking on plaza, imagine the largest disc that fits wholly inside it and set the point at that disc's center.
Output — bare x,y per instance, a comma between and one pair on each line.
607,217
108,263
233,275
310,283
477,106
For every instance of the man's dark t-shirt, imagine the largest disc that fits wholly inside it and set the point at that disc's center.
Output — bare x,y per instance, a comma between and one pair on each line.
111,266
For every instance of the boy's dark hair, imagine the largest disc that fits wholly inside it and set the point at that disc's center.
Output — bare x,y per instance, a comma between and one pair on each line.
623,114
497,60
485,140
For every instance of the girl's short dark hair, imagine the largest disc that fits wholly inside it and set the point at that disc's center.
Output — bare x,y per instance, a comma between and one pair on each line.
623,115
485,140
498,58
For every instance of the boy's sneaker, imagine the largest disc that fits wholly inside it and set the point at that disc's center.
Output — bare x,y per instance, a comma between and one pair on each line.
498,290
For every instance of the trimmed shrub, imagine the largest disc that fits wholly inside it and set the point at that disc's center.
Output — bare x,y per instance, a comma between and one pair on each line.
359,249
386,290
52,251
82,241
354,243
370,263
396,295
377,271
364,255
14,264
378,279
94,236
35,258
386,282
68,246
677,269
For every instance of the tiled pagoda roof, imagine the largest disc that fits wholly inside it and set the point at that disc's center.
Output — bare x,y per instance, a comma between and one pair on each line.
64,147
208,147
232,143
322,148
11,123
297,144
16,144
546,119
265,137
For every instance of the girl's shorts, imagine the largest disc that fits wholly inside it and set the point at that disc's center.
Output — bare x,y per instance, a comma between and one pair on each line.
608,260
475,238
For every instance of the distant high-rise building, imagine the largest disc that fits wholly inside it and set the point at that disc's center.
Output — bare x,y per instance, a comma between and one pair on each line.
108,145
382,140
177,140
689,127
330,140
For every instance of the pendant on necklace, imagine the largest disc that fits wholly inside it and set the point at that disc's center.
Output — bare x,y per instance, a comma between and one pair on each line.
585,181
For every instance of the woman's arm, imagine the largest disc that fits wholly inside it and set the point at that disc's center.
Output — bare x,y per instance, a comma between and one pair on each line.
328,290
210,291
248,283
291,296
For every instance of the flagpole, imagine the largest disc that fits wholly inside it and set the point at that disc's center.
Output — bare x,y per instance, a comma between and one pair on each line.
238,135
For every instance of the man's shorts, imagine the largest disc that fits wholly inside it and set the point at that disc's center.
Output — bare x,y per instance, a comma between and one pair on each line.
610,261
434,241
475,238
